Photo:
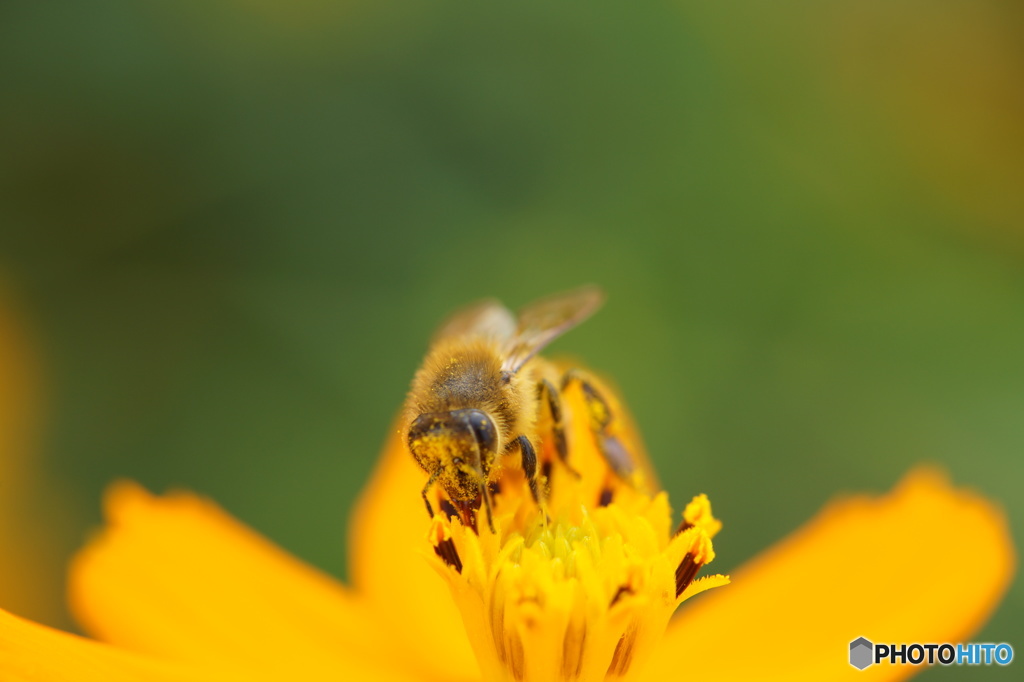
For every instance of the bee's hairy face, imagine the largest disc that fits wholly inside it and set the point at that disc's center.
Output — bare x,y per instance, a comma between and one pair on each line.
459,446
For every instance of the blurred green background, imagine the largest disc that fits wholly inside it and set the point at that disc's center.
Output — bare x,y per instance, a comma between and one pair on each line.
230,227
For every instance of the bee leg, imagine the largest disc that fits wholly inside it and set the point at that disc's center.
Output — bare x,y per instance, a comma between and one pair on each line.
485,492
547,393
529,456
426,489
601,419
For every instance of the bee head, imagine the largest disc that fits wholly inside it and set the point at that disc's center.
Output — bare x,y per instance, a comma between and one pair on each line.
460,445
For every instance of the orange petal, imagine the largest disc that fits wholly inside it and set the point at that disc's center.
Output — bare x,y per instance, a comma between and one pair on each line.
28,576
178,578
387,533
925,563
35,653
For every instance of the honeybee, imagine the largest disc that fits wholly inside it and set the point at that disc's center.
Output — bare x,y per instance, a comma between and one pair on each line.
480,390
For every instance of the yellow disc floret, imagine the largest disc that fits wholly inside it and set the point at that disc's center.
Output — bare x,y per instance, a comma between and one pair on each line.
581,589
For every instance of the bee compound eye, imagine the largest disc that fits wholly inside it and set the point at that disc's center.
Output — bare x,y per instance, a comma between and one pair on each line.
483,431
457,461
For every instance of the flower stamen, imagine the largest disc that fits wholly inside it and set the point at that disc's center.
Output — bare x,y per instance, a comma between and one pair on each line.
623,656
444,548
699,554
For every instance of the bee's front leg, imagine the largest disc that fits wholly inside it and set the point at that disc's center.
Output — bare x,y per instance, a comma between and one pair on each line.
485,491
426,489
485,494
601,420
529,459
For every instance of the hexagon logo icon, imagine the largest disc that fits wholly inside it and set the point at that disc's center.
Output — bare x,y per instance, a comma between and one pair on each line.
861,653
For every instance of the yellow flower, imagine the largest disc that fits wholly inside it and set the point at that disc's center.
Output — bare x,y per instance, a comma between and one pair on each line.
175,590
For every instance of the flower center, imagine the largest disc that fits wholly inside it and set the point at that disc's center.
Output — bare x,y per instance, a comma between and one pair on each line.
580,591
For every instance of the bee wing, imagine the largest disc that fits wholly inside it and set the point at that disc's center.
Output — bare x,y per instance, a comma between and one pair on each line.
487,318
543,321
